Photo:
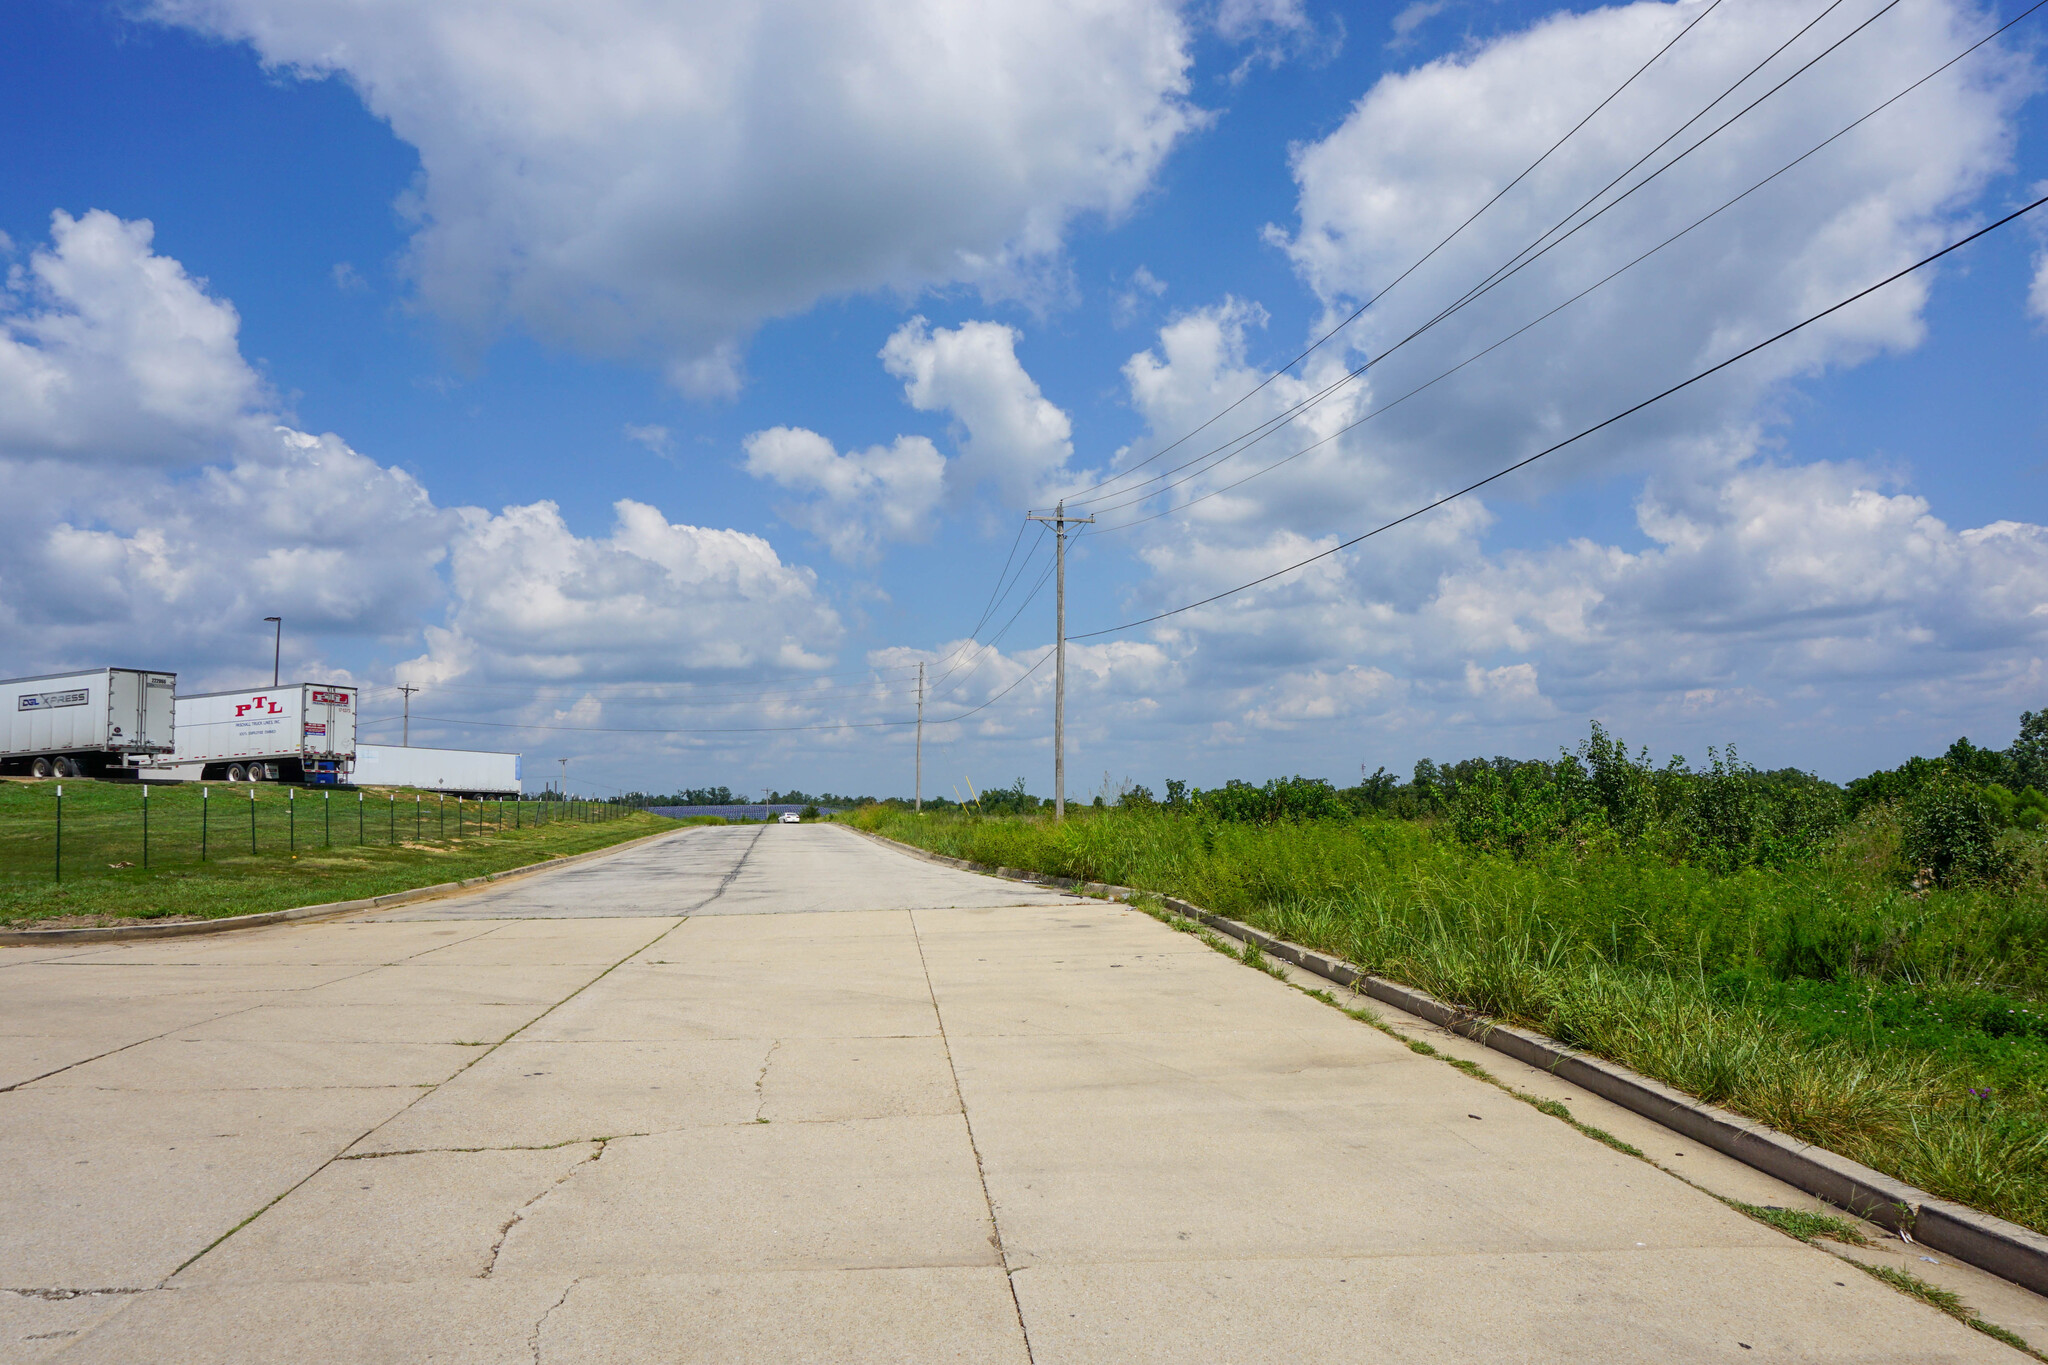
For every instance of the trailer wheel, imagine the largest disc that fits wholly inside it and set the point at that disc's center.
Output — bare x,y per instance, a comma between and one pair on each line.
42,767
235,772
68,767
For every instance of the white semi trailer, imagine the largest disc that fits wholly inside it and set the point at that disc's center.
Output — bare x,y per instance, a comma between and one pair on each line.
300,732
82,724
459,772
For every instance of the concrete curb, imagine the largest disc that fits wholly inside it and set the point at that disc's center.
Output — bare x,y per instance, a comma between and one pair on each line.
2004,1249
114,933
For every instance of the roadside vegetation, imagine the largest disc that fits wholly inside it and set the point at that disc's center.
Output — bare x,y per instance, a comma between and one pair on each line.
224,853
1863,967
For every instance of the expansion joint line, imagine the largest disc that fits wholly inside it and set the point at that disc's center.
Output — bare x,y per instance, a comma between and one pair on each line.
980,1171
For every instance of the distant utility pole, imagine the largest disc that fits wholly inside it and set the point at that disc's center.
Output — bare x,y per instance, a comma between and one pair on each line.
276,646
408,689
1059,521
564,793
920,737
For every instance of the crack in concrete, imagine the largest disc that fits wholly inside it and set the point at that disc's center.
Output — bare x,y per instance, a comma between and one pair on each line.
60,1295
533,1341
508,1147
725,882
980,1171
491,1262
761,1081
323,1165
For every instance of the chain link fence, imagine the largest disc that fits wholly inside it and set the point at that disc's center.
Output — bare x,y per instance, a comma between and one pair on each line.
75,829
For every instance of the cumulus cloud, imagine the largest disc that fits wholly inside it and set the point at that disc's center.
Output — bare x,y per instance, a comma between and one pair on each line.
110,353
630,177
1757,591
1015,439
1424,149
861,498
1010,439
150,494
534,600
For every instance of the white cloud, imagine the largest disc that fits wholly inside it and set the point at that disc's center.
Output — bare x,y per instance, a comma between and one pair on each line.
1142,288
150,497
1815,604
862,498
1413,16
1016,440
110,353
1011,440
535,601
1424,149
658,440
629,176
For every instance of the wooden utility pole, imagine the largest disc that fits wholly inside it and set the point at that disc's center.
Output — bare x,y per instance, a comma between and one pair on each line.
405,740
1060,521
920,738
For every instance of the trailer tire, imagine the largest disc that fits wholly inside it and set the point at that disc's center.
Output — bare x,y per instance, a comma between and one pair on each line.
42,767
68,767
236,773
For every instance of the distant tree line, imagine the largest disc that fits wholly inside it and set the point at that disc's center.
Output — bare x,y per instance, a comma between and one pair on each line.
1952,812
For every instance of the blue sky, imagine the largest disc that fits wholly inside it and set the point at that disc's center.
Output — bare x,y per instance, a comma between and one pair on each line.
423,302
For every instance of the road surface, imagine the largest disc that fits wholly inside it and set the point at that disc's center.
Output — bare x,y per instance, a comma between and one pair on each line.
780,1093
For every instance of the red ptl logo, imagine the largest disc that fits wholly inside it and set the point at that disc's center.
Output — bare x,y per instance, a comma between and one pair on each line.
262,706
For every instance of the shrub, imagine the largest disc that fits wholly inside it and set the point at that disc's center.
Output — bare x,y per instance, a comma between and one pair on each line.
1950,829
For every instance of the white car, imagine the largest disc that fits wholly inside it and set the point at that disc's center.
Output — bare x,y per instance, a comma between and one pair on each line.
789,817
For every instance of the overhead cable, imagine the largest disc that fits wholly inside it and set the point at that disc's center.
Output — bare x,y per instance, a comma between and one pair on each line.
1569,440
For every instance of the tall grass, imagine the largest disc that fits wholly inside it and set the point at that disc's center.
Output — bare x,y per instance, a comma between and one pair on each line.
1629,956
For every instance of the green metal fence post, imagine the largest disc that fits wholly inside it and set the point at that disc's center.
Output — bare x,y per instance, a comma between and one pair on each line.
441,819
417,812
145,827
327,819
359,819
60,831
392,809
291,821
205,805
252,822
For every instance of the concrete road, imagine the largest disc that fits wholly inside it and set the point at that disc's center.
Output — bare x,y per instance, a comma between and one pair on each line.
778,1093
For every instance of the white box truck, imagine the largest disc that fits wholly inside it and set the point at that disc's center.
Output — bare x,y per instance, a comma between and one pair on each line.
459,772
300,732
85,723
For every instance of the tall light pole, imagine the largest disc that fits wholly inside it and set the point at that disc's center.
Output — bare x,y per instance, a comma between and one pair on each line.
276,647
1060,521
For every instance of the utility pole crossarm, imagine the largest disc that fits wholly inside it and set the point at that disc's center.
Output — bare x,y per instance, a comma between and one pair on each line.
1060,521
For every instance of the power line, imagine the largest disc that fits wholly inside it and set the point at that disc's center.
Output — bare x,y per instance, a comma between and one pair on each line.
1516,262
725,730
1552,312
1569,440
1358,312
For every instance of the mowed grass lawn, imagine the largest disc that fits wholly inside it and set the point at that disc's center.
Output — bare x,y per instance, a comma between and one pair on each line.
1904,1029
207,858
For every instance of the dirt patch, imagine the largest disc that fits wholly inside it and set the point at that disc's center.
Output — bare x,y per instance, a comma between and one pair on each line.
96,921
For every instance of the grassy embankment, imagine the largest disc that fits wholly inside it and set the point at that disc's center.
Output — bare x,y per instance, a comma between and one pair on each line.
1904,1029
307,848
